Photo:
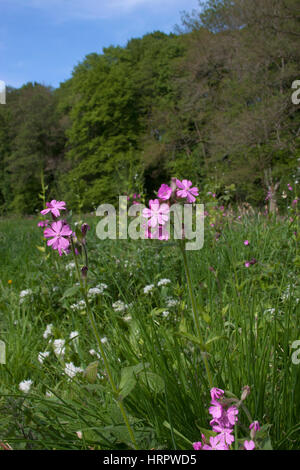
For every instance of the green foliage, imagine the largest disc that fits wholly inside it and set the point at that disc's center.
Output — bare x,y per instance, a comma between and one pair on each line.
212,102
249,318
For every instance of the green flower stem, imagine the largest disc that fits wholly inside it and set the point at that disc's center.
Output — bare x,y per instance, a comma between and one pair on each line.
195,312
83,287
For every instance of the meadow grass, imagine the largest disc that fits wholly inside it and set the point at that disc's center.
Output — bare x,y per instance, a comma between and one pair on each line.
249,318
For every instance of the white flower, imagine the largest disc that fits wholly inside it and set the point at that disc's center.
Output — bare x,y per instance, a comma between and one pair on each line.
72,370
70,266
58,345
148,289
271,311
42,356
165,313
24,293
104,340
94,353
163,282
172,302
48,331
127,318
102,286
74,334
119,306
99,289
79,306
25,385
49,394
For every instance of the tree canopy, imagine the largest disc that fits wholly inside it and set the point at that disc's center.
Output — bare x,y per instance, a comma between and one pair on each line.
211,102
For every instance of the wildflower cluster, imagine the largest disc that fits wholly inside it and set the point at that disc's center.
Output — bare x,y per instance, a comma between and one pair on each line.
58,231
159,209
135,198
224,418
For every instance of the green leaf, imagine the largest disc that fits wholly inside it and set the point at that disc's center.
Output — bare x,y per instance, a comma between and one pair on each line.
216,338
128,378
192,338
154,381
70,292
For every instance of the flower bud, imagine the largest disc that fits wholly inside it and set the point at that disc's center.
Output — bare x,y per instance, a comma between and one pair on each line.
84,229
84,271
245,392
254,427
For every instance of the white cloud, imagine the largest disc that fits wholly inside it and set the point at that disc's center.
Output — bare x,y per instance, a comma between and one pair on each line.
100,9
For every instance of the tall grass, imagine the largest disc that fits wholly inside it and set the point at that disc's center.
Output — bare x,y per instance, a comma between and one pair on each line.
248,316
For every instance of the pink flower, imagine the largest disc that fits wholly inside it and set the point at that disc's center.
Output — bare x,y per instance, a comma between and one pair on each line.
216,393
246,242
247,264
224,435
289,187
54,207
197,445
232,413
216,410
215,444
164,192
57,234
185,190
157,214
255,425
249,445
43,223
160,233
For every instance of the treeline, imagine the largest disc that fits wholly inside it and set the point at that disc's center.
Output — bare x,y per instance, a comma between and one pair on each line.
211,102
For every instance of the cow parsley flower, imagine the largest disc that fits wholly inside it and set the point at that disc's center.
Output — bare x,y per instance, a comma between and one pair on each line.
94,353
119,306
163,282
79,306
172,302
74,334
72,370
70,266
59,347
148,288
48,331
99,289
25,385
24,293
42,356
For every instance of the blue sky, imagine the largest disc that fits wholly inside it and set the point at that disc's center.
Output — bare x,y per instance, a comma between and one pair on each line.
42,40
